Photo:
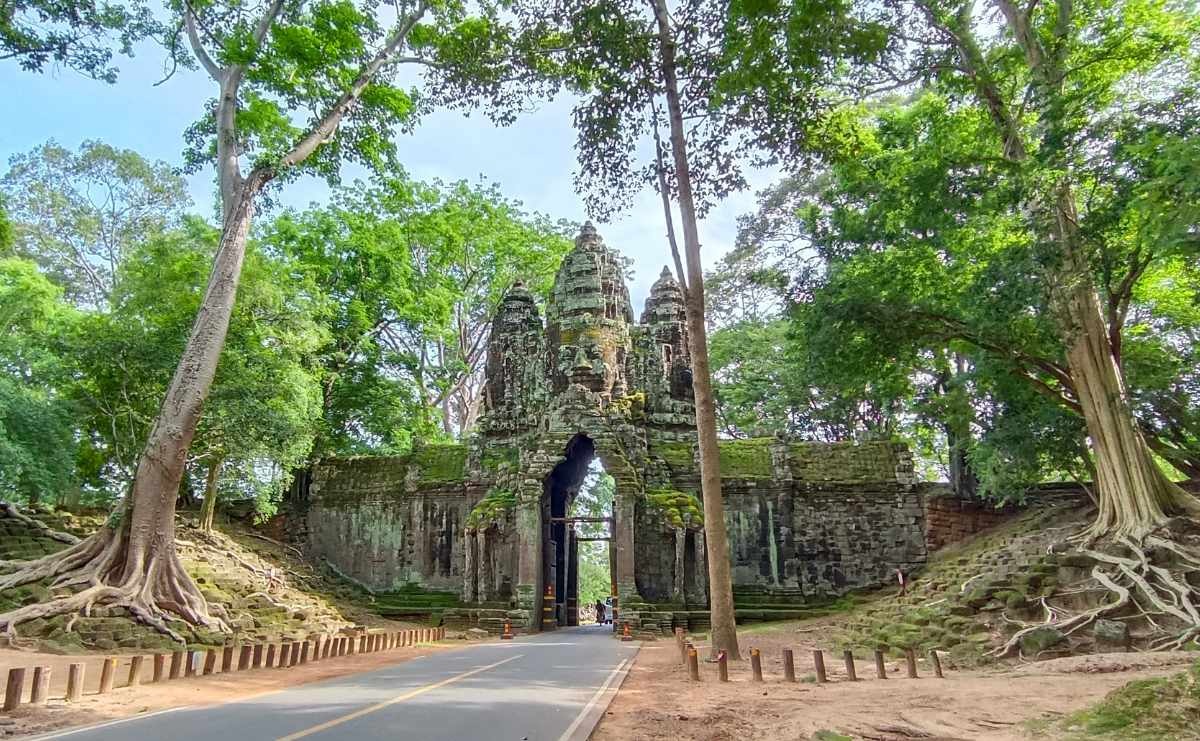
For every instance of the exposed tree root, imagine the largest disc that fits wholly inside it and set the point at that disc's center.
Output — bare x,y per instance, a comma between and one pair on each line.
150,584
10,510
1151,580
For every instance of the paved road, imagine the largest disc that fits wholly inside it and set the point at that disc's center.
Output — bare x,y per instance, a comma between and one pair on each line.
538,688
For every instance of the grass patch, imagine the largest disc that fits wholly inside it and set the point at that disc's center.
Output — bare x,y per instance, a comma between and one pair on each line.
1143,710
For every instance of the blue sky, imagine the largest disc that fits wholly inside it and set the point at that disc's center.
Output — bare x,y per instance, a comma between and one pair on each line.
533,160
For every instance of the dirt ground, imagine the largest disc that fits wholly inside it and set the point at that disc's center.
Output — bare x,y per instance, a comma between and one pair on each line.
213,689
657,701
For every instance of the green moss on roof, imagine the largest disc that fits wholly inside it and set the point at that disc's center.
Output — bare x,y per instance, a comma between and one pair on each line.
746,458
679,508
442,463
494,506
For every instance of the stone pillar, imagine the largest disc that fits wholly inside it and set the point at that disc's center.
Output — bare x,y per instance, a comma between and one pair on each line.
484,567
626,508
701,567
529,567
470,567
572,578
677,590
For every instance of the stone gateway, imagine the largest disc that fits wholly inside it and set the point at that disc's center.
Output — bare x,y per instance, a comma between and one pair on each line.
478,532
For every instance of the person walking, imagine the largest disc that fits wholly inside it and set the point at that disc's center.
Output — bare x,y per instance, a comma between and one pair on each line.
600,612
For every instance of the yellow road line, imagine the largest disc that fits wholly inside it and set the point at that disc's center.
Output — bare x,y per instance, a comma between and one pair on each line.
399,698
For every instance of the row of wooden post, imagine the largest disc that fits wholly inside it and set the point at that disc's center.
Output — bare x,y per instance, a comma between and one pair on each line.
187,663
690,657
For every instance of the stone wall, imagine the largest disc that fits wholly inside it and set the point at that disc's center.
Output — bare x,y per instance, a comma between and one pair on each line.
394,523
950,519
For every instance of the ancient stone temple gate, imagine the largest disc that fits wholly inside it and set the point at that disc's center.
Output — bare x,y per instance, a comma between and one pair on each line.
477,531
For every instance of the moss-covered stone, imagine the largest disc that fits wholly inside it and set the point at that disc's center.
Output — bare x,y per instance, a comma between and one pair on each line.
442,463
679,508
679,456
494,506
746,458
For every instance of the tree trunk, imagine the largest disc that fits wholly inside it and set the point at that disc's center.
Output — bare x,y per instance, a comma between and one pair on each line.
209,508
720,584
1134,494
132,561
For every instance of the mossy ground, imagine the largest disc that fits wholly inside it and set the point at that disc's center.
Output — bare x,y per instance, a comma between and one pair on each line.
955,603
266,591
1161,709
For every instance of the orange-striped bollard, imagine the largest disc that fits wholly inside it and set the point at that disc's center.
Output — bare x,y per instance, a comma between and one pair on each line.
625,636
508,634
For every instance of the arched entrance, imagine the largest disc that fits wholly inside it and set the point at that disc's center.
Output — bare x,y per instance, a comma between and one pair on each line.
561,538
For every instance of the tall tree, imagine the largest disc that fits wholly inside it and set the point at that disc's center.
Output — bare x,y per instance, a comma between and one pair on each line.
414,273
640,68
1040,85
78,214
327,63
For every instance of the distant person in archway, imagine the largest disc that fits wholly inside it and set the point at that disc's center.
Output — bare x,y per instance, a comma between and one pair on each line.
600,612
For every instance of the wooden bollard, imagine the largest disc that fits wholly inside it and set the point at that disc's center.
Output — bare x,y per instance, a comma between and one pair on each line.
244,658
257,661
848,657
210,661
681,644
41,685
789,666
294,658
937,663
694,665
190,669
722,667
880,669
911,657
160,667
108,671
819,665
227,659
176,665
756,664
270,662
14,689
135,671
304,647
74,682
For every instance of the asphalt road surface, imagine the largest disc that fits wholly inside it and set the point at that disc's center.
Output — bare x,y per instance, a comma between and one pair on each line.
539,688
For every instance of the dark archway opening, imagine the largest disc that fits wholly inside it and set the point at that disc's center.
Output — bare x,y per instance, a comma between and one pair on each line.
560,550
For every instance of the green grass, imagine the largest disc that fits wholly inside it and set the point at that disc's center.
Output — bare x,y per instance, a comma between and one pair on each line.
1143,710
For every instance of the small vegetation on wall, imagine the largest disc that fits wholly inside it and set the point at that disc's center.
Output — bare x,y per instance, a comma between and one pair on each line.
747,458
494,506
679,508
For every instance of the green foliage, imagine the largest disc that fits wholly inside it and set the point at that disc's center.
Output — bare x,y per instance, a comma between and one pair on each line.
37,441
80,35
260,416
494,506
292,63
414,273
79,214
